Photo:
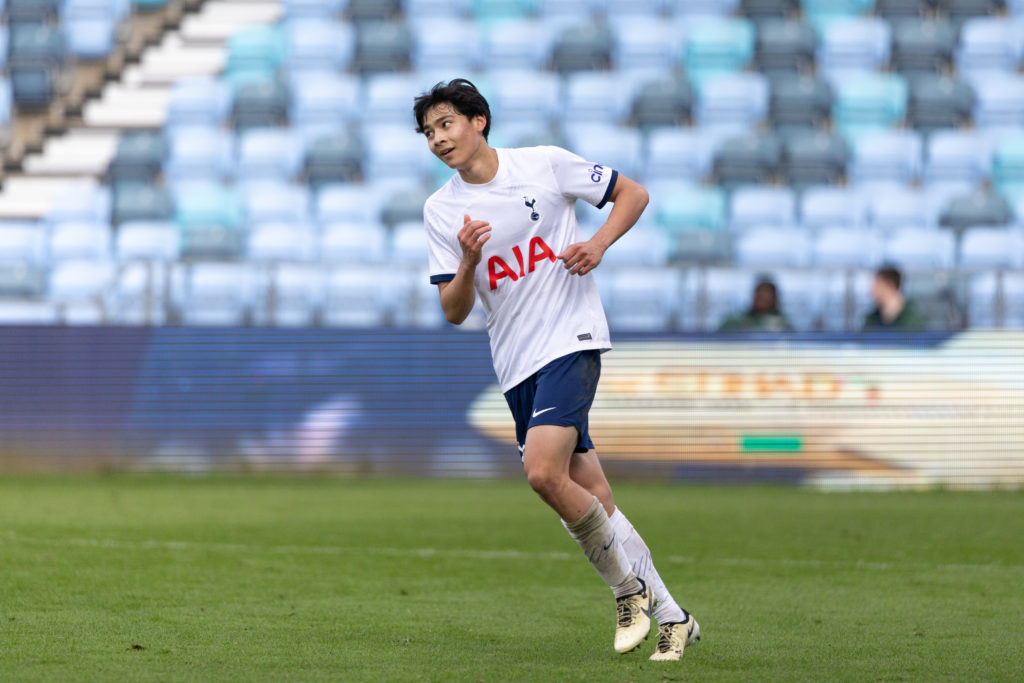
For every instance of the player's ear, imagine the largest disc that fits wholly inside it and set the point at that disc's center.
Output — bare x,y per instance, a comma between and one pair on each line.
479,123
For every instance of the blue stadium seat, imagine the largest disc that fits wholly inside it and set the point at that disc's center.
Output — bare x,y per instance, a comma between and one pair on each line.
518,44
643,245
324,101
526,96
382,47
854,44
680,153
415,10
360,296
988,247
761,205
643,298
997,300
314,9
138,296
686,9
352,242
452,44
829,205
922,47
778,247
198,102
135,201
82,203
409,244
618,147
988,44
218,294
84,240
282,241
268,201
733,100
148,241
88,27
396,151
80,288
894,207
350,202
802,296
846,247
917,247
716,294
646,41
269,154
198,153
298,296
23,242
597,97
887,156
958,155
388,97
1000,102
318,45
716,45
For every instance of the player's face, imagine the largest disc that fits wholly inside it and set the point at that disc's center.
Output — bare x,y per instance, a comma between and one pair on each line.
453,138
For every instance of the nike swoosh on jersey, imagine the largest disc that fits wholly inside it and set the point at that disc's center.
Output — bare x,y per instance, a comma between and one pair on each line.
539,412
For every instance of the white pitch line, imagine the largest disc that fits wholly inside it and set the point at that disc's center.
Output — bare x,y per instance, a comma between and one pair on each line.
498,554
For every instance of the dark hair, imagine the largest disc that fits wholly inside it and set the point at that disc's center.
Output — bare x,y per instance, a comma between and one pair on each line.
769,296
890,274
458,92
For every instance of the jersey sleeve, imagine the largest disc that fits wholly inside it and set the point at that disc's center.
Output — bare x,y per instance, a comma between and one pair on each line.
581,179
444,259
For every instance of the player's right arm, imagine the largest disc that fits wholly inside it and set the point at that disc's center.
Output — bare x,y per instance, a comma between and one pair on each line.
458,295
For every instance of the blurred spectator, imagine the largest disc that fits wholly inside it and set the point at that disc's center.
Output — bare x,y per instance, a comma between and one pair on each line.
892,310
764,314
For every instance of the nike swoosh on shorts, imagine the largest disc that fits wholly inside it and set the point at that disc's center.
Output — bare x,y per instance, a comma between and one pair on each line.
539,412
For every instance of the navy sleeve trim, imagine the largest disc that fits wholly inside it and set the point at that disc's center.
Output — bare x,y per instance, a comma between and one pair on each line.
446,277
608,191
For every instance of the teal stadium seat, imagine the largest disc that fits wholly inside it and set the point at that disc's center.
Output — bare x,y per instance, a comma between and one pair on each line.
1008,168
869,102
716,45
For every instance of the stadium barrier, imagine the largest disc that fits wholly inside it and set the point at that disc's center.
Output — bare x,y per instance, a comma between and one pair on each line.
835,411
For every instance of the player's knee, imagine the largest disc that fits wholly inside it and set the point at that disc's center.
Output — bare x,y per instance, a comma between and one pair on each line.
545,480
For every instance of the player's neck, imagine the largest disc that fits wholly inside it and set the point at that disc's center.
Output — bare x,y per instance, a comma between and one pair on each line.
481,167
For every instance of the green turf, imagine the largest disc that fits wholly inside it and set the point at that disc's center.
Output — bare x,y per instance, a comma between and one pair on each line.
136,578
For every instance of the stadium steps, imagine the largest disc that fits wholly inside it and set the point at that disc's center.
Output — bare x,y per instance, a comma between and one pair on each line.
73,141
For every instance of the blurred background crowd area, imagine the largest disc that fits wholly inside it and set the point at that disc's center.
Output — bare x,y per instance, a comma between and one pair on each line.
254,162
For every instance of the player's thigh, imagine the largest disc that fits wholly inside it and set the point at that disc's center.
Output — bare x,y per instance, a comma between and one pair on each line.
549,450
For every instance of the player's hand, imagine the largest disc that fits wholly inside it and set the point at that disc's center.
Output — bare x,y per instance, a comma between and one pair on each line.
472,237
582,257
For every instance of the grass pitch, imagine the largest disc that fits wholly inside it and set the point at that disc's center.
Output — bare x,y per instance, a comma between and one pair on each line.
139,578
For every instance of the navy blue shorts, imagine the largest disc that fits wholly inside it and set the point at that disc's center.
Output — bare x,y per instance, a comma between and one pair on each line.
560,393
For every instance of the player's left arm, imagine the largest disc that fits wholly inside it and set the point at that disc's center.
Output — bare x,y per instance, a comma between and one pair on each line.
629,199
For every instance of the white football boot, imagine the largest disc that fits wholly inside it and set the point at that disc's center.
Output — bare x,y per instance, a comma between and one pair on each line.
634,619
674,638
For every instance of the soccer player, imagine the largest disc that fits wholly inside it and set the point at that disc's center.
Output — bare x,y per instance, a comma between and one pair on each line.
504,227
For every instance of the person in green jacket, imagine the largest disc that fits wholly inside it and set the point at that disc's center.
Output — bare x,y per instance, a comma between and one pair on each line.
763,315
892,311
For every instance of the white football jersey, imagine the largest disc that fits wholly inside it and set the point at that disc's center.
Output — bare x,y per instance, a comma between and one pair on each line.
536,310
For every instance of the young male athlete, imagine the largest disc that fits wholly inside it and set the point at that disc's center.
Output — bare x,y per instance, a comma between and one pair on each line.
504,227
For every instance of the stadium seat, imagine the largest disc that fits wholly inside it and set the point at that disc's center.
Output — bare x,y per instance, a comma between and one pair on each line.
936,101
518,44
821,13
373,10
211,219
643,299
32,11
761,205
813,157
713,294
139,156
324,102
360,296
218,294
198,153
80,289
988,44
646,42
799,101
985,247
138,296
282,241
868,102
922,46
802,296
260,104
255,54
854,44
997,300
148,241
960,11
1008,168
617,147
897,10
886,156
198,102
733,100
268,154
82,203
268,202
827,205
982,207
916,247
134,201
687,208
26,312
389,96
597,97
351,242
893,207
394,151
525,96
747,160
422,9
958,155
716,45
680,153
313,9
761,10
334,159
83,240
582,47
776,247
409,244
349,202
403,205
846,247
662,102
446,43
88,27
318,45
643,245
1000,102
35,42
785,47
382,47
23,242
295,296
